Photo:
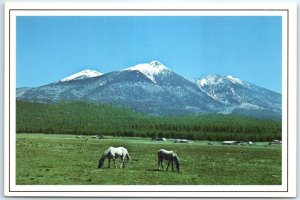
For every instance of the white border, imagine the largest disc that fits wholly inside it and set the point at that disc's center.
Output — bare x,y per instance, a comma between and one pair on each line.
289,145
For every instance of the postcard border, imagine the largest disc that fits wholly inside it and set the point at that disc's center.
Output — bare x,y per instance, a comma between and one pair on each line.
287,97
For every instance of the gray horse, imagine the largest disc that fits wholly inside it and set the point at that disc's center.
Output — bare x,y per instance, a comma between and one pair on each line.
113,153
170,156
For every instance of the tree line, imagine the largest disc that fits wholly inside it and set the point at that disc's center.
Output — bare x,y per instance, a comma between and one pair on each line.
82,118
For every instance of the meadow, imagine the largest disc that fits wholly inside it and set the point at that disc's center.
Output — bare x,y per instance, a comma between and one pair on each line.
59,159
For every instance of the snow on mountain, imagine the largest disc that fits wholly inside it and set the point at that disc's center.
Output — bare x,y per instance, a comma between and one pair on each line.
155,89
214,79
235,93
235,80
208,80
88,73
215,86
150,70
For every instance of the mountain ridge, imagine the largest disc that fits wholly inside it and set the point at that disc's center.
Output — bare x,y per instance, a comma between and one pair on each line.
155,89
87,73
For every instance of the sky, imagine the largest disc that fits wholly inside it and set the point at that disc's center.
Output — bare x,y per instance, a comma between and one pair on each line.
50,48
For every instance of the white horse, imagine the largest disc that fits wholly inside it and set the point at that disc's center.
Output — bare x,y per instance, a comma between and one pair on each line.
113,153
170,156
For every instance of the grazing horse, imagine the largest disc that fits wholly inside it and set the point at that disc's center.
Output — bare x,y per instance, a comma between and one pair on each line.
169,156
113,153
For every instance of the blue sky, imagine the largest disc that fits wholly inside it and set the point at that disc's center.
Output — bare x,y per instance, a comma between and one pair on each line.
51,48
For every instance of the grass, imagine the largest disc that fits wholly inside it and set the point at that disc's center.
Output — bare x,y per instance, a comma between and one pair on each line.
66,160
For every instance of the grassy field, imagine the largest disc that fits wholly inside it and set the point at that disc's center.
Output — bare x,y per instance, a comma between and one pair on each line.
66,160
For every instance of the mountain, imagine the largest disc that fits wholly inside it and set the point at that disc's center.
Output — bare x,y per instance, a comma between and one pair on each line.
155,89
150,88
240,96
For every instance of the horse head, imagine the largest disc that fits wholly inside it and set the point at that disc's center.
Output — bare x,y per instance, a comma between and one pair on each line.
101,162
177,163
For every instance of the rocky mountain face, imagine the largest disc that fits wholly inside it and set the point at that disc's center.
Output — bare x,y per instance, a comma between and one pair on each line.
241,97
155,89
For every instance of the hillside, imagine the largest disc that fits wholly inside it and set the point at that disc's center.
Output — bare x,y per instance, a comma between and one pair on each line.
70,117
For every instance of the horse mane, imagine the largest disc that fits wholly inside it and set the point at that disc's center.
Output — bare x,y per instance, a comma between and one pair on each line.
176,157
106,152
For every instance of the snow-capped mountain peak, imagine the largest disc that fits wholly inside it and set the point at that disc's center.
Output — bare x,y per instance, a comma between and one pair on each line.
157,64
88,73
234,80
150,70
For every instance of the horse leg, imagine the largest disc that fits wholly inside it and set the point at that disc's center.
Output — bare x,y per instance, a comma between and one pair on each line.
162,166
172,166
168,165
115,162
158,165
123,163
108,163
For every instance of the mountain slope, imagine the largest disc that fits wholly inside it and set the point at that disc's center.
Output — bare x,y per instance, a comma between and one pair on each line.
239,95
154,89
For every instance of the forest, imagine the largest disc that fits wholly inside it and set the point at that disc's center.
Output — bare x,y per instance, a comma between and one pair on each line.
84,118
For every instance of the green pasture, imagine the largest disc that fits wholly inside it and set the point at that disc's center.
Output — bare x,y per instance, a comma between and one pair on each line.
46,159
